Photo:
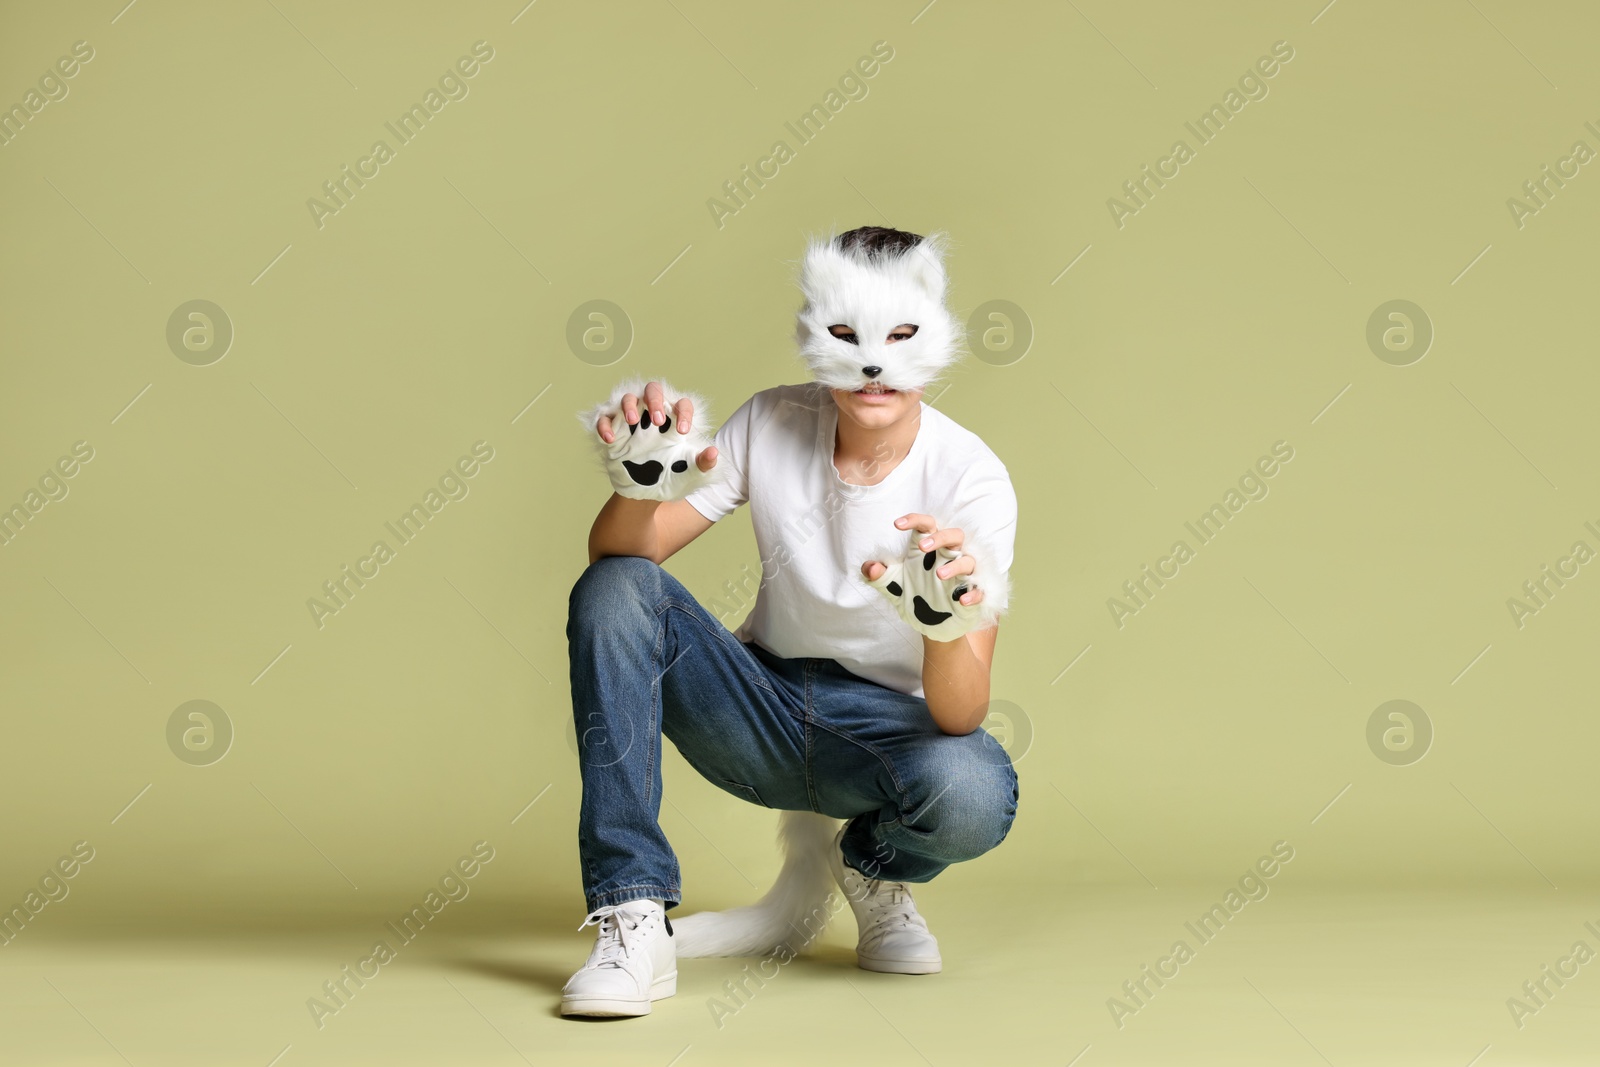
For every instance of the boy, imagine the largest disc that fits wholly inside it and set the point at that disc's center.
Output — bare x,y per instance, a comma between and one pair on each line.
856,686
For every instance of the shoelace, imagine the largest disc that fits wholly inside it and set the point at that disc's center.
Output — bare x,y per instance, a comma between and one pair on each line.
890,905
613,943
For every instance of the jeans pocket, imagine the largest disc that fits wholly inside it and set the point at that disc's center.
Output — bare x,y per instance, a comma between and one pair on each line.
743,792
755,671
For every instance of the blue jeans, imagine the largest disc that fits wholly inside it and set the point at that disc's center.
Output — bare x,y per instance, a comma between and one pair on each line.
794,734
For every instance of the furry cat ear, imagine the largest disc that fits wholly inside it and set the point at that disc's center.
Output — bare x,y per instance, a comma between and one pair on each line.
925,265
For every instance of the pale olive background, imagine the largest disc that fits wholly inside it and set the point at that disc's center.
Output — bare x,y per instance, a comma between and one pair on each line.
433,309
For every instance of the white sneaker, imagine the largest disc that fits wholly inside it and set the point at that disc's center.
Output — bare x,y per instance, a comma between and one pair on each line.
892,938
634,962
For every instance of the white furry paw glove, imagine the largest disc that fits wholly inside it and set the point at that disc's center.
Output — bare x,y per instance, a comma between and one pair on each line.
649,462
931,605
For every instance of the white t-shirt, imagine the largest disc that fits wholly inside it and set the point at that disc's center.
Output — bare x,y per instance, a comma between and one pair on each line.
814,530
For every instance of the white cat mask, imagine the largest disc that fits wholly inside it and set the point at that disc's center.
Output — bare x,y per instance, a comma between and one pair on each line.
873,294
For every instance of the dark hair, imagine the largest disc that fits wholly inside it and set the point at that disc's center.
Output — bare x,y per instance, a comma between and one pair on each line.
874,241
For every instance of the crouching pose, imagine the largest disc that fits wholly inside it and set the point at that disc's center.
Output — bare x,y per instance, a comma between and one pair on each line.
855,688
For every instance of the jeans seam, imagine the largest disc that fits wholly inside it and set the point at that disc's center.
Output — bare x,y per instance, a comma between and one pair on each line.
641,885
759,676
888,764
753,791
720,632
651,890
808,721
656,697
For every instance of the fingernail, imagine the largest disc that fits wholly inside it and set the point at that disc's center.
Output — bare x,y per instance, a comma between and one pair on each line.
927,542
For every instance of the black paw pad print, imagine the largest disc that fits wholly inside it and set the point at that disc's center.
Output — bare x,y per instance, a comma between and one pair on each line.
650,471
925,600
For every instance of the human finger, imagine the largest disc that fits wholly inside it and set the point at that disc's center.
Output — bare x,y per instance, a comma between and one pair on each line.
707,458
684,410
630,408
964,565
949,537
655,399
916,521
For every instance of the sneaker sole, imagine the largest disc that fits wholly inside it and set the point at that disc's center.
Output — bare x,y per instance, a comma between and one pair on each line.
618,1007
883,966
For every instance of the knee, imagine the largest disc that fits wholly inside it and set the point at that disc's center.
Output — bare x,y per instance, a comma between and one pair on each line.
611,587
986,820
978,804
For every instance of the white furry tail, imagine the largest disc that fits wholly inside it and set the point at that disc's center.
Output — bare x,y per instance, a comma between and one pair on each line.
793,911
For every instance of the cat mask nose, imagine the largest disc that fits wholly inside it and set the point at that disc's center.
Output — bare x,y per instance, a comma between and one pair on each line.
872,372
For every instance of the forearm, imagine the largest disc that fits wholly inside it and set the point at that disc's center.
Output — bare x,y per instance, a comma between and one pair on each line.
625,528
955,682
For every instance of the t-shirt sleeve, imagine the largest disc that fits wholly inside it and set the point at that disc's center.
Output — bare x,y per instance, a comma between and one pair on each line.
987,515
733,452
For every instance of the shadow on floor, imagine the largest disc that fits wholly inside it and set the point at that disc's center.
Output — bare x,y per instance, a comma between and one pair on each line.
549,977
